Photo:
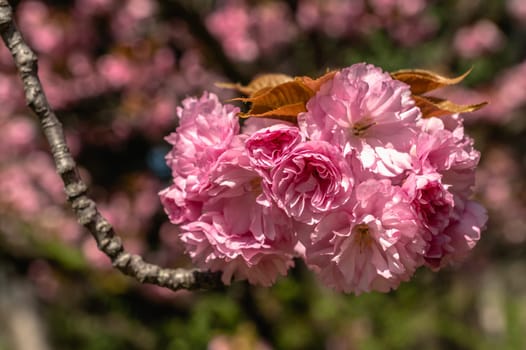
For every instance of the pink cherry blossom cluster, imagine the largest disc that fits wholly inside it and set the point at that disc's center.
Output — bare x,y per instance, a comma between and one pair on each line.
362,188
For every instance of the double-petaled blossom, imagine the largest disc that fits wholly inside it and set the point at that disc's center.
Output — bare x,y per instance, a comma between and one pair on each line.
267,146
373,245
363,188
365,111
443,147
214,196
240,237
444,161
431,201
453,244
206,130
311,180
226,241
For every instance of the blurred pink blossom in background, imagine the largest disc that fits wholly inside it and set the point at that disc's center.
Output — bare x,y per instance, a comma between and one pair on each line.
246,33
335,17
517,9
231,24
480,38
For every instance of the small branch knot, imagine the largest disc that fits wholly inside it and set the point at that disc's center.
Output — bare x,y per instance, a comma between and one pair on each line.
112,246
85,209
104,227
75,189
27,61
122,261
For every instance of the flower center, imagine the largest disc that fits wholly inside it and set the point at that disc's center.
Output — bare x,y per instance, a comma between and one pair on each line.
362,236
359,128
255,186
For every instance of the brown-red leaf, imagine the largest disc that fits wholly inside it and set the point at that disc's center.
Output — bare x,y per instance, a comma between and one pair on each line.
422,81
258,83
315,84
437,107
288,112
274,102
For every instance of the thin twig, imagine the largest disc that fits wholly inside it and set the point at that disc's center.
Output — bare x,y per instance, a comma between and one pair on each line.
83,206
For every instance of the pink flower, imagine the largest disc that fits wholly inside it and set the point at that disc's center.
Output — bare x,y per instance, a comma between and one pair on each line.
266,147
431,200
243,239
373,246
177,206
18,135
363,189
404,8
140,9
44,34
270,18
439,211
336,18
231,176
453,245
311,180
117,70
364,110
308,15
444,148
231,25
517,9
484,36
206,131
225,228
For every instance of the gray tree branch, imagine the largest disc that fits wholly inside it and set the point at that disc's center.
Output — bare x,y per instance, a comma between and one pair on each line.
76,190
